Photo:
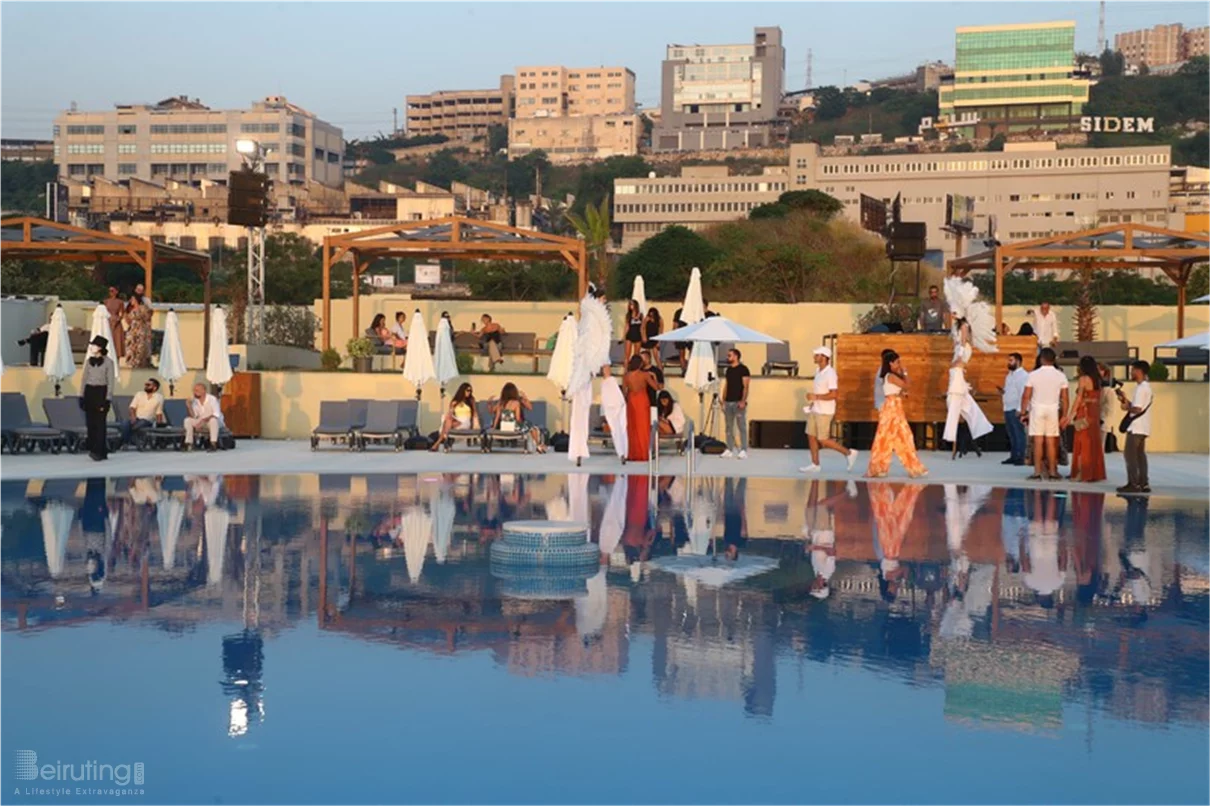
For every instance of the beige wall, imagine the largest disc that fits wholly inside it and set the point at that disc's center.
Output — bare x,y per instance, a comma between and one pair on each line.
554,91
290,400
423,206
575,139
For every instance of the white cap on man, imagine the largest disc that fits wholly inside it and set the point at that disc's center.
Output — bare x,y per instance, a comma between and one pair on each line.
824,351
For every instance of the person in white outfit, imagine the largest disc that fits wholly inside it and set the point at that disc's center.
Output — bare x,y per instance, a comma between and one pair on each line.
820,409
1045,398
204,412
593,337
960,404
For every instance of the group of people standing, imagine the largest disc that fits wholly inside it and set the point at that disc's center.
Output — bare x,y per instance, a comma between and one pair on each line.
130,323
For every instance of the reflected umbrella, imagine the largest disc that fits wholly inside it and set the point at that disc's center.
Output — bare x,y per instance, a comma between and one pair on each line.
169,513
216,521
613,522
56,527
444,511
592,609
416,528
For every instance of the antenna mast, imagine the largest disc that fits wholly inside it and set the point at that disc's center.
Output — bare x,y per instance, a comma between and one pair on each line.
1101,43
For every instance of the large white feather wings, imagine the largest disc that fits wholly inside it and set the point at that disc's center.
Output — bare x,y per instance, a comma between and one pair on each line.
593,337
962,296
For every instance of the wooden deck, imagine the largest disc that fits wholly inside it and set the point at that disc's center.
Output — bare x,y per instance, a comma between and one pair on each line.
926,360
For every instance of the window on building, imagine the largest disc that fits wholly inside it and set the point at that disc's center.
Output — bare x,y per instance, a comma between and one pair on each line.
333,157
298,130
91,129
127,168
127,148
127,128
76,169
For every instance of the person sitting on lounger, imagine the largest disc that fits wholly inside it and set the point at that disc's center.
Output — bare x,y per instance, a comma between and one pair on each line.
672,418
462,415
508,414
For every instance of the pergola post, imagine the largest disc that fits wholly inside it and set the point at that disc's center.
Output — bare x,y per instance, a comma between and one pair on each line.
327,298
997,259
147,268
206,313
356,294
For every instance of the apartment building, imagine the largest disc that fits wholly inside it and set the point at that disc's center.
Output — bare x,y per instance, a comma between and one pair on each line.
1161,46
702,196
575,139
721,96
1189,199
1013,78
1032,189
183,140
461,115
554,91
14,150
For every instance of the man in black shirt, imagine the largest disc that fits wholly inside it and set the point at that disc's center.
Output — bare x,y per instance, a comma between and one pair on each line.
735,405
655,372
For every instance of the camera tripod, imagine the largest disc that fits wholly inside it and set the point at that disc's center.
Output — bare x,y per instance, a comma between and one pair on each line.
711,415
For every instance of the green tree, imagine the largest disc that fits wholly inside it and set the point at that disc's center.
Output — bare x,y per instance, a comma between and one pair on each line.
65,280
813,201
497,138
996,143
1199,282
23,185
829,103
594,227
665,261
512,280
596,179
1112,63
772,210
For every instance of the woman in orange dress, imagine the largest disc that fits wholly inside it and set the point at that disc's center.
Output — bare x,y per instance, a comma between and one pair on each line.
635,384
894,435
1087,451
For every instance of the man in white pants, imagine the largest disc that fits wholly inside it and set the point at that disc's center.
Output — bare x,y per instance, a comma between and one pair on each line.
204,411
821,408
1045,398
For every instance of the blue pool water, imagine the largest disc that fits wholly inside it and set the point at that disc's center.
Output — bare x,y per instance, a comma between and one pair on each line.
302,639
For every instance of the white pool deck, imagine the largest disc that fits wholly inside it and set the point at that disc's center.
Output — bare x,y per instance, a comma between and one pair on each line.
1179,475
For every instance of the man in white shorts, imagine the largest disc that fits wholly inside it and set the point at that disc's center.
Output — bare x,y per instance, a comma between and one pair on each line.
821,409
1045,399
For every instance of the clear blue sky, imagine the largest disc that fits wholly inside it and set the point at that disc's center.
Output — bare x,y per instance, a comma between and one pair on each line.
351,63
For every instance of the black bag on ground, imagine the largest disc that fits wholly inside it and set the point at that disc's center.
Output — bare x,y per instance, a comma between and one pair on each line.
711,447
417,443
560,442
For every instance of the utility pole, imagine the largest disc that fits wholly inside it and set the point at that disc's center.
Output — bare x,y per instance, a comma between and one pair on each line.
1102,44
810,57
394,121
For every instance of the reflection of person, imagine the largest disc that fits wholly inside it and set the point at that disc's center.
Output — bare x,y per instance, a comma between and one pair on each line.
138,331
97,380
1135,452
820,532
821,408
1045,398
1014,528
1044,562
94,521
894,435
638,534
1087,452
735,517
893,513
638,384
114,304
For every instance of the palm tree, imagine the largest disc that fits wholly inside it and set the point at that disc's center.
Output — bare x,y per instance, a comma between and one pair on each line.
594,227
1086,309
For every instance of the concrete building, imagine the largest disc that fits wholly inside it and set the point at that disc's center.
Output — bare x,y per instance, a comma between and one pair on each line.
1013,78
1032,189
575,138
1189,199
1161,46
183,140
554,91
925,77
700,197
721,96
12,150
460,115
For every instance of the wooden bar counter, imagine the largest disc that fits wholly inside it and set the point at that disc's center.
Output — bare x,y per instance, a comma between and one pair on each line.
927,361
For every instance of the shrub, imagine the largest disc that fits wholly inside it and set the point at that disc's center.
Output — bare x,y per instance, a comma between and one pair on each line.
1158,372
290,326
360,347
330,360
466,363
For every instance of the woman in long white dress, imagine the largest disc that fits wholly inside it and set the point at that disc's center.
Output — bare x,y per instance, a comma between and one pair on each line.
593,336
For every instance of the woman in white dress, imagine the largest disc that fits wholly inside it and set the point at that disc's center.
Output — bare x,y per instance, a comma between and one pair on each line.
960,404
593,336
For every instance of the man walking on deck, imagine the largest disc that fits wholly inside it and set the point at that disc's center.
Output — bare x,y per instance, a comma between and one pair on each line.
821,408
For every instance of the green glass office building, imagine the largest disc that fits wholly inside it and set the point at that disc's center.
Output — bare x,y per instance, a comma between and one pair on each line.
1013,78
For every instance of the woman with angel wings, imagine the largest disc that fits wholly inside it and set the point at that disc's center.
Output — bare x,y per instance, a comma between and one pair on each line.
593,337
974,328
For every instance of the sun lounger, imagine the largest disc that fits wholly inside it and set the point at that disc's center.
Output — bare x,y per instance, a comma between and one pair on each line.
335,424
65,414
381,425
777,358
22,433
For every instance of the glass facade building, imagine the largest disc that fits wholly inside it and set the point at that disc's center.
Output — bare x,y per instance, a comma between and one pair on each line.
1010,78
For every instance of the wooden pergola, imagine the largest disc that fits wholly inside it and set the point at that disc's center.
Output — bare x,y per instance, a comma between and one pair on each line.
1115,247
453,238
30,238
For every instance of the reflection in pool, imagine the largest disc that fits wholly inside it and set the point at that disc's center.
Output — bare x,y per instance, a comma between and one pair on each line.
348,639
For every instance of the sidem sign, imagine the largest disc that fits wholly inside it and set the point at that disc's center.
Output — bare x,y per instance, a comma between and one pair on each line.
1116,124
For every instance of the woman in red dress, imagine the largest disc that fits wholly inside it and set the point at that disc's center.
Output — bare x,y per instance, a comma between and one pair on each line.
635,384
1088,451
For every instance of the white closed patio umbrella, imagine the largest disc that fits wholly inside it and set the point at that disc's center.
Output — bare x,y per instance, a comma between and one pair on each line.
57,518
215,521
169,513
443,513
172,355
417,528
418,363
693,310
445,361
218,365
59,363
100,327
639,293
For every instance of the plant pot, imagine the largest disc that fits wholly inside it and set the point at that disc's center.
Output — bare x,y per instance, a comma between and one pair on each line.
363,363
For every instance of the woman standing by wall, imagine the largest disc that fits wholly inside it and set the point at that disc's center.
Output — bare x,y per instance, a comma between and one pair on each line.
138,332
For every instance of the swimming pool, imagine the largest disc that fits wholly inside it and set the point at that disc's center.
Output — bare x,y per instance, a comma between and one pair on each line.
299,639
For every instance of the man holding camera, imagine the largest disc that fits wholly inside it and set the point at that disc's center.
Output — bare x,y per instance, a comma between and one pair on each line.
1138,428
